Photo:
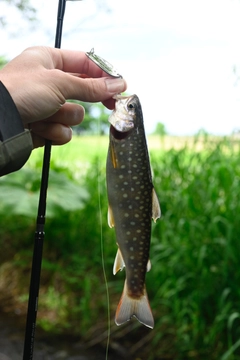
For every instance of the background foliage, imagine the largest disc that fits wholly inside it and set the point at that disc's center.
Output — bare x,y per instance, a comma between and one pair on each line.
193,285
24,7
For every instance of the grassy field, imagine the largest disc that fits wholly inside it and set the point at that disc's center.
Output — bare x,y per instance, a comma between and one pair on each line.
193,285
82,149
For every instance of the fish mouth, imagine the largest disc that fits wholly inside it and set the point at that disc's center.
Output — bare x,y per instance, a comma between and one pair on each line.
119,135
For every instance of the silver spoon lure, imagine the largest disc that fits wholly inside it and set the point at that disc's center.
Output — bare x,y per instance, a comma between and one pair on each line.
103,64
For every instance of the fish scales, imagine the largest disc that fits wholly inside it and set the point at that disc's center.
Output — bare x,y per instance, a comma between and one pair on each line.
129,193
132,204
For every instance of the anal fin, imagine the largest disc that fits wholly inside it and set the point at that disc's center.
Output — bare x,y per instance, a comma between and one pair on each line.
118,263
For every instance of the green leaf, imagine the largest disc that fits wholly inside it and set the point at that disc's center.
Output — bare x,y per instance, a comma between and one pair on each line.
19,193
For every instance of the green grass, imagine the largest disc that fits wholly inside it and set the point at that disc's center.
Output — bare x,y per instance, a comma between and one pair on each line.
193,285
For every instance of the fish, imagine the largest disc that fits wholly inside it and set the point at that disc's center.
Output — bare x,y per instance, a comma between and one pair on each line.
132,204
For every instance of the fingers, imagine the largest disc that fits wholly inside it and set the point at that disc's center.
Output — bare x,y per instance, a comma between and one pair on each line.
69,61
57,127
60,71
96,86
70,114
41,79
109,103
59,135
90,89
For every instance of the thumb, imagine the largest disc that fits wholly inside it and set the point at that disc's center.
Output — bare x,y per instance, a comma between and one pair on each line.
93,89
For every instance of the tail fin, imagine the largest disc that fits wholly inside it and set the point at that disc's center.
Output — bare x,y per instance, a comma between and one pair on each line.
139,308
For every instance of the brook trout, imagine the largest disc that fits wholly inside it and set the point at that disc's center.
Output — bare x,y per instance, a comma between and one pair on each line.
132,205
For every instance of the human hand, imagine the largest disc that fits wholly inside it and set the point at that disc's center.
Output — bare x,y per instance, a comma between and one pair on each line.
41,79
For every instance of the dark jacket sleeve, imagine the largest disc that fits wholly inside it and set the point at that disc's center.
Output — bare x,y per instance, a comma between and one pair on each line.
15,141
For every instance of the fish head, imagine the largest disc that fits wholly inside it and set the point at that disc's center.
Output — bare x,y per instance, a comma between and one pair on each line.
123,117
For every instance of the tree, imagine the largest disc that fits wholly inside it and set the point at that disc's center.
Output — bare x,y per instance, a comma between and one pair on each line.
24,6
160,129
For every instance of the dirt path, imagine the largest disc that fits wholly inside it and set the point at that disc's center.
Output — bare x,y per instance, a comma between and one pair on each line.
46,347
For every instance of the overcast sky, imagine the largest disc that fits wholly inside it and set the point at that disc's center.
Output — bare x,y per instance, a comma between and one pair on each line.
177,56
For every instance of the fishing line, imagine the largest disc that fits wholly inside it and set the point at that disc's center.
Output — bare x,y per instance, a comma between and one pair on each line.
102,251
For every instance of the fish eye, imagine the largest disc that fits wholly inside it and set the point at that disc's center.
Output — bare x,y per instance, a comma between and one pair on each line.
131,106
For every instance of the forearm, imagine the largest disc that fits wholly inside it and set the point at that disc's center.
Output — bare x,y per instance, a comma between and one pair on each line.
15,141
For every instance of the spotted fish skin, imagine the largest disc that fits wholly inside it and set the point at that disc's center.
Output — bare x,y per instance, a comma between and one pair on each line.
132,205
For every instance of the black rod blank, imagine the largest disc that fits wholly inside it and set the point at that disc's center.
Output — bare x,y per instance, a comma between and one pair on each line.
39,233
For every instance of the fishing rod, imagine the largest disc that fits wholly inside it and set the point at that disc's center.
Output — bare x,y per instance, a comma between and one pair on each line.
40,222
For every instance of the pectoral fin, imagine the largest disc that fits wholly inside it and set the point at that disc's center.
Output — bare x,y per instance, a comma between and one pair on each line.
118,263
113,156
156,211
110,217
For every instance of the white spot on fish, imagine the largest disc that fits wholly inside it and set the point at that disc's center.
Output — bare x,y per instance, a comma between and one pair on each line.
126,215
125,195
123,166
131,248
132,223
